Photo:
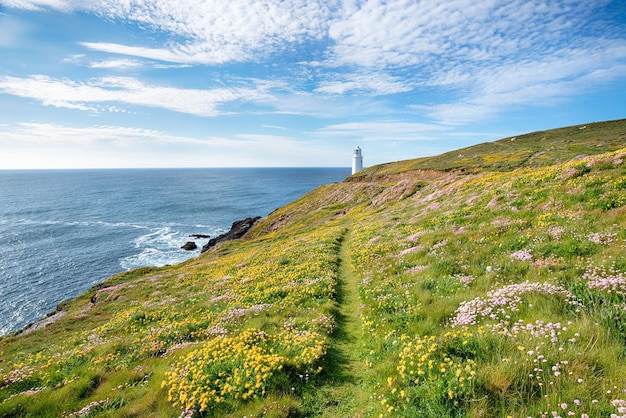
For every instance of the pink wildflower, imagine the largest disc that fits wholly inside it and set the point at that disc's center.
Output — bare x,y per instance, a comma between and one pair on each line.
501,301
609,280
522,255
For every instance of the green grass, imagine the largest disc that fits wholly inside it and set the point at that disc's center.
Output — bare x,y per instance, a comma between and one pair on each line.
350,301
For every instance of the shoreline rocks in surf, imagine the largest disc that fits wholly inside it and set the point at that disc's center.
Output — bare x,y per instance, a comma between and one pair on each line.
237,230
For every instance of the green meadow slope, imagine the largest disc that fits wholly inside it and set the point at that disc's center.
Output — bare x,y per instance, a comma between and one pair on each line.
485,282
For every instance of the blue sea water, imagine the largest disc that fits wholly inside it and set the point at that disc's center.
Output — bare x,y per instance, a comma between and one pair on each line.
62,231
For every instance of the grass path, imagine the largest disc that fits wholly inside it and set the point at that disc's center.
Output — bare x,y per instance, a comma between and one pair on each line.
343,395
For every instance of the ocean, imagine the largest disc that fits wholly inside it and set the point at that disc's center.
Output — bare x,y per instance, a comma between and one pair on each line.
62,231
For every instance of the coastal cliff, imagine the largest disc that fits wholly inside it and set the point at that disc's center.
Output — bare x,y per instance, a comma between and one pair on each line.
488,281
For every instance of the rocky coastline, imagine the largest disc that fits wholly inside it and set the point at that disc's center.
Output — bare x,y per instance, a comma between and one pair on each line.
237,230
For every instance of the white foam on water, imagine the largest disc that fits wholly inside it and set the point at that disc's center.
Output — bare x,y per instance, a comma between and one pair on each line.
159,247
161,238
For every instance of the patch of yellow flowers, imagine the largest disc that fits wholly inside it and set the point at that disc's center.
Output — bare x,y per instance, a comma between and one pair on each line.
438,362
241,367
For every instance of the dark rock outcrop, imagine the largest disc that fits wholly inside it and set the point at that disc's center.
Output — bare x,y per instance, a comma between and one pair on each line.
200,236
237,230
189,246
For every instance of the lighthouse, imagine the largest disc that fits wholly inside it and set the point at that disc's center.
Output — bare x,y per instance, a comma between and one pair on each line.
357,160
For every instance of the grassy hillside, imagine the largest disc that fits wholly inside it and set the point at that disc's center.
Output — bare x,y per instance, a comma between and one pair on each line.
536,149
487,282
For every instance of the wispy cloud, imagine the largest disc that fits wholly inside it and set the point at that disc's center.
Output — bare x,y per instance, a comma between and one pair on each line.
50,145
383,131
376,84
173,54
31,133
459,60
101,94
116,64
207,31
83,95
485,57
280,128
529,83
430,34
37,5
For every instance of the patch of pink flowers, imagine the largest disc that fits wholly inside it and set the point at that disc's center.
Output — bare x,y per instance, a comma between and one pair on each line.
621,408
18,375
416,236
466,280
417,268
415,249
522,255
576,410
601,238
538,329
439,245
556,231
501,302
87,409
239,312
607,279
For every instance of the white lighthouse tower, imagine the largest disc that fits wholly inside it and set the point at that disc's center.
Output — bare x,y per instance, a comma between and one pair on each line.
357,160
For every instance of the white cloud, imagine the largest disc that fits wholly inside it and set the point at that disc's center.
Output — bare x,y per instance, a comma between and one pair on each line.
74,59
118,63
533,83
376,84
205,31
32,133
445,33
215,31
100,94
482,57
280,128
83,95
37,5
383,131
325,106
175,54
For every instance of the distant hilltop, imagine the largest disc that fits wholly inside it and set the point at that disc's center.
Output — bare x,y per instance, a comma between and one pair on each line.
489,281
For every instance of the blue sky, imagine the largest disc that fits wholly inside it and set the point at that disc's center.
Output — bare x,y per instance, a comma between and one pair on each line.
213,83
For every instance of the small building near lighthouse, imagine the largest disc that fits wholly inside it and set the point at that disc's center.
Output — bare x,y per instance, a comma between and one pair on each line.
357,160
